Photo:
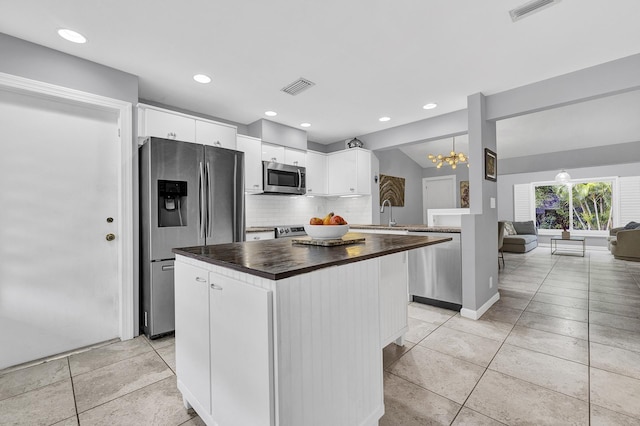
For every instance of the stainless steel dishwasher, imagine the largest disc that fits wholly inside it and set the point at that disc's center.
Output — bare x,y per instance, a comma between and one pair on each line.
435,272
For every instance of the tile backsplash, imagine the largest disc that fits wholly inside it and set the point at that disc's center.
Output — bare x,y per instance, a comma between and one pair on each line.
273,210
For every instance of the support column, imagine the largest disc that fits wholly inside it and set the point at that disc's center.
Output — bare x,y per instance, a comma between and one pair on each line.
480,228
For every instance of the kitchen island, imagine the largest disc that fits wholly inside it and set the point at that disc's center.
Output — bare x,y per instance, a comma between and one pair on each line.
276,333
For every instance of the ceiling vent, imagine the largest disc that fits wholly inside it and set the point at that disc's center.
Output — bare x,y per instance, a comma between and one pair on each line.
530,8
297,86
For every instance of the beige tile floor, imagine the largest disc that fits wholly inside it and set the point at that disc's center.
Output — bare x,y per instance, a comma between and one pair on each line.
562,346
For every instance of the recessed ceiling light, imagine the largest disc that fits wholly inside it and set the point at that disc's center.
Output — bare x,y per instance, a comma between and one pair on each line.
271,113
201,78
305,125
384,118
430,105
71,36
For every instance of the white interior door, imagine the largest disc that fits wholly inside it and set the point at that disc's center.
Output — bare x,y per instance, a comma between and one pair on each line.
438,193
59,287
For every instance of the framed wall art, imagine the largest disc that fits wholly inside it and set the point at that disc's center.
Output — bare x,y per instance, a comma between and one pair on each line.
490,165
464,194
392,189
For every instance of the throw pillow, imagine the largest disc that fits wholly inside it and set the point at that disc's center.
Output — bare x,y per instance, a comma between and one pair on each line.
525,228
631,225
509,229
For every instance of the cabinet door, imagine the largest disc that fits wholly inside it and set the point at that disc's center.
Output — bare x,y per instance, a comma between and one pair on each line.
316,173
241,353
341,171
213,134
394,296
273,153
169,126
257,236
295,157
364,177
252,149
192,340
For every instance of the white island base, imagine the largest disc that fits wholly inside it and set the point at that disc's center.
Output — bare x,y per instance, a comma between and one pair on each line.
301,351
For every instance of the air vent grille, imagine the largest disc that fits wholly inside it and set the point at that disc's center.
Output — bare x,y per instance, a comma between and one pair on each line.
530,8
298,86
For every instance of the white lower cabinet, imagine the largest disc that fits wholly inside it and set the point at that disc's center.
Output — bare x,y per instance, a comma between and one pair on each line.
192,344
225,370
394,298
241,334
257,236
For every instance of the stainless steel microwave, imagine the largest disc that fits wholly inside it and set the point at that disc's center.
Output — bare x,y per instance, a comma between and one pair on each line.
278,178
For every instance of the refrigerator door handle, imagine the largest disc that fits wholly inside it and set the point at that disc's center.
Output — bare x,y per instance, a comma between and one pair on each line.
235,199
209,202
201,201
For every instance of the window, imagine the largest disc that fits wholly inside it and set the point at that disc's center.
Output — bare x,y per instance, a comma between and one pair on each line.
580,206
552,206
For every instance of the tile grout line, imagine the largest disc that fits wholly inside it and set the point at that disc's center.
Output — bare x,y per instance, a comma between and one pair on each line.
73,391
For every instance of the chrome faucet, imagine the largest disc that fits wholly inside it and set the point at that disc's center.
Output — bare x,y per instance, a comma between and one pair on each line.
391,221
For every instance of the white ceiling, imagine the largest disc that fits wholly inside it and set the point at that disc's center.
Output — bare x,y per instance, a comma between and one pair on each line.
606,121
367,58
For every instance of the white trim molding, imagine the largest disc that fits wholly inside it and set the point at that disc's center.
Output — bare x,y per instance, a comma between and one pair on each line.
474,315
125,179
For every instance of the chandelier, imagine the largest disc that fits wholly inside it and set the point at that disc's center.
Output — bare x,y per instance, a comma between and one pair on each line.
452,159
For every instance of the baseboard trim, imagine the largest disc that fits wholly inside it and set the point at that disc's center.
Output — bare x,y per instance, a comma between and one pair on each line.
474,315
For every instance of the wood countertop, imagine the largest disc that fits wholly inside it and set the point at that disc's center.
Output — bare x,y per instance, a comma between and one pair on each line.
280,258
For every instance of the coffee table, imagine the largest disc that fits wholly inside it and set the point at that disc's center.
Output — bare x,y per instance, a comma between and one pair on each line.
567,248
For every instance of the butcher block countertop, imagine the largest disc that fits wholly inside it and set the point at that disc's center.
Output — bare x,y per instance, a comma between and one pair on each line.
280,258
410,228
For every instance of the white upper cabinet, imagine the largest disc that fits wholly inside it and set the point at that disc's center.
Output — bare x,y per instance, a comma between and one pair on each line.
316,173
216,134
164,124
295,157
273,153
349,172
252,148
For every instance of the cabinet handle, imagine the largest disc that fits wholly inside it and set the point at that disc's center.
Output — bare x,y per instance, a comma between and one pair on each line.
351,189
309,190
256,238
295,163
217,143
171,135
274,159
201,280
216,287
256,186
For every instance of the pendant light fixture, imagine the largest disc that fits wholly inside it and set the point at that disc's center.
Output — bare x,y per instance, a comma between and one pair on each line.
563,177
452,159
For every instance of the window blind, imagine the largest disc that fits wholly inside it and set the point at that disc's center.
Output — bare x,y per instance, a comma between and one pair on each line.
628,199
522,202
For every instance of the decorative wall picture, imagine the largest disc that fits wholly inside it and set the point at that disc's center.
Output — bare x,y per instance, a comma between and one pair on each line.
392,189
464,194
490,165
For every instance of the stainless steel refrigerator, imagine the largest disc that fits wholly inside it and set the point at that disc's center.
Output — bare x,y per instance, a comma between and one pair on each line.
190,195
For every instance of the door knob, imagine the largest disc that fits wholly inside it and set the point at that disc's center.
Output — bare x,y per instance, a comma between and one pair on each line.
111,237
